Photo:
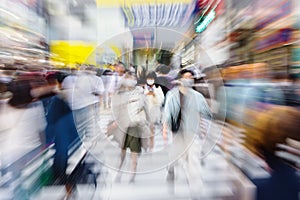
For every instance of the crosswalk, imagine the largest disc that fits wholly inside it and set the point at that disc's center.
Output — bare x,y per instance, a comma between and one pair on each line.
219,180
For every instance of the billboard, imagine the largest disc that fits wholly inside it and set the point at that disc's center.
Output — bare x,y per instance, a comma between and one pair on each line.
72,52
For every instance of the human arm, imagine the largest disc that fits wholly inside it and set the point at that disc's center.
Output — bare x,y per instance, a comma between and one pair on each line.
167,117
98,86
98,89
41,123
146,107
165,133
203,108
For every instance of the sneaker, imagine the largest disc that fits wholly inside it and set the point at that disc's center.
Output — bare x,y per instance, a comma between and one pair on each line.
170,177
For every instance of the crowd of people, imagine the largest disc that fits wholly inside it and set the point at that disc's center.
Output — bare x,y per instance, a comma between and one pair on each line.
63,108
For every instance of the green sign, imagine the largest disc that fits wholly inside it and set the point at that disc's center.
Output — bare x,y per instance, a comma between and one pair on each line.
201,27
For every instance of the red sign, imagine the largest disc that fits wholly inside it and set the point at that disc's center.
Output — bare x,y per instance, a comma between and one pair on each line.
220,9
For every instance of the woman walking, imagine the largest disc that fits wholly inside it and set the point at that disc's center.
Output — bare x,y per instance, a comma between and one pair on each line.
130,128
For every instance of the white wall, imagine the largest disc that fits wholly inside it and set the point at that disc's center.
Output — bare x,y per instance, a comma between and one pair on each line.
111,24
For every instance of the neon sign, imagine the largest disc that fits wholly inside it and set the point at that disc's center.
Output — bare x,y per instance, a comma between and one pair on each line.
201,27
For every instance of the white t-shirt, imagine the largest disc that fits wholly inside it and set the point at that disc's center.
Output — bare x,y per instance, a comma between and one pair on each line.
114,82
156,100
82,90
154,103
20,130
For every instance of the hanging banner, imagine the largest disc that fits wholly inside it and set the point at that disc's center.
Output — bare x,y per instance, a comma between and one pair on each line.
158,14
119,3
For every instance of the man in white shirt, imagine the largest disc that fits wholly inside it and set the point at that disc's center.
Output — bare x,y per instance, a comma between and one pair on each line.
83,93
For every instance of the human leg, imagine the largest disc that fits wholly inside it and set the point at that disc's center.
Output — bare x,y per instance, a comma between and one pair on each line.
152,136
194,169
119,174
134,159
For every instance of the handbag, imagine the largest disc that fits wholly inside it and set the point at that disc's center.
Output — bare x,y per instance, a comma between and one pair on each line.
176,122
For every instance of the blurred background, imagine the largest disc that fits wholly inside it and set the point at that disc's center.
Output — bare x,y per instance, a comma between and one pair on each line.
246,58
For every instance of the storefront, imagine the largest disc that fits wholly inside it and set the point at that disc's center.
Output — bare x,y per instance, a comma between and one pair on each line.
274,35
23,33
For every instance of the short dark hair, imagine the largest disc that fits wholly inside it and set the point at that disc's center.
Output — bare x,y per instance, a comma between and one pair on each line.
55,76
181,72
51,78
107,72
151,74
163,69
21,93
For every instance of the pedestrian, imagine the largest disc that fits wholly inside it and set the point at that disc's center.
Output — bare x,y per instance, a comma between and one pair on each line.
184,108
131,115
155,99
84,90
164,80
